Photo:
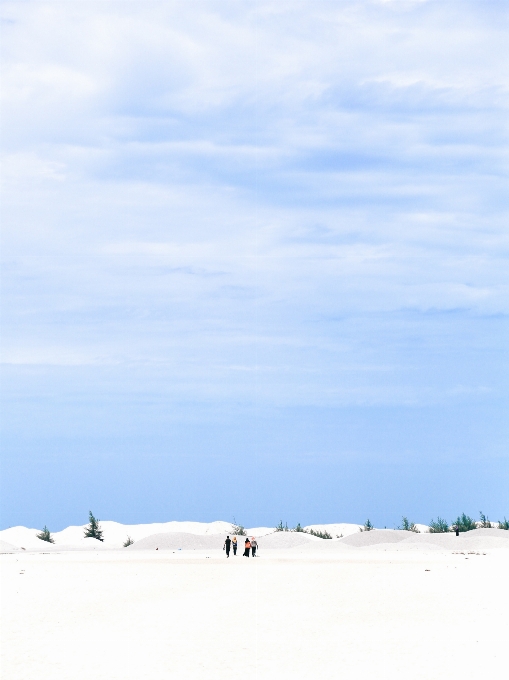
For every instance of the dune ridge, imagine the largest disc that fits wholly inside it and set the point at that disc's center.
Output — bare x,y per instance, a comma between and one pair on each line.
210,536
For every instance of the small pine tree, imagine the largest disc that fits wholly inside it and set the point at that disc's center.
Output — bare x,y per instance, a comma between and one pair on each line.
406,525
93,530
438,527
238,529
45,535
129,541
282,527
298,528
485,522
504,524
465,523
367,526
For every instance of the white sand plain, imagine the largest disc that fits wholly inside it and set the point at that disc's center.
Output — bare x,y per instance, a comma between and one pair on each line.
387,604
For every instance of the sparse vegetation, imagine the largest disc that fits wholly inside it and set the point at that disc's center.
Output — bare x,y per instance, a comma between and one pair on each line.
45,535
464,523
504,524
367,526
485,522
93,530
440,526
281,527
319,534
299,529
406,525
129,541
238,529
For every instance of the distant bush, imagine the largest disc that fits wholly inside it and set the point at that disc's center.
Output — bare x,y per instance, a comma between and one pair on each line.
485,522
280,527
238,529
504,524
45,535
129,541
406,525
367,526
438,527
464,523
93,529
319,534
299,529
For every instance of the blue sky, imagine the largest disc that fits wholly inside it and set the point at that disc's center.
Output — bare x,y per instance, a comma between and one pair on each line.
254,261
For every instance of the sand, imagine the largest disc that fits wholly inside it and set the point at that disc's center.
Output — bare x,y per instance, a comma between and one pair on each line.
435,609
115,534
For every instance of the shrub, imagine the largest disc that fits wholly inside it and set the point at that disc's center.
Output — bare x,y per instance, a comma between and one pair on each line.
319,534
280,527
406,525
238,529
367,526
93,530
129,541
485,522
298,528
464,523
438,527
504,524
45,535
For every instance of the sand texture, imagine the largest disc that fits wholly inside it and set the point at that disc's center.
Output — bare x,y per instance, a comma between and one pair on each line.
324,609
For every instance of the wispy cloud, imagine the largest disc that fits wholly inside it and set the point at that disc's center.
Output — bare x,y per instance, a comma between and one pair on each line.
270,187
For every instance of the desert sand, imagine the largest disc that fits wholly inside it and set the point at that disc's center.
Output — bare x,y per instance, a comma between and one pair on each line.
383,604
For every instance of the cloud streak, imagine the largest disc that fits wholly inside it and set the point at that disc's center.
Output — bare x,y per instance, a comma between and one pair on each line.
270,188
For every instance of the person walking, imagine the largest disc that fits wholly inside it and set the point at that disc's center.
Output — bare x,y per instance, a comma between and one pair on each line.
234,545
227,545
254,546
247,547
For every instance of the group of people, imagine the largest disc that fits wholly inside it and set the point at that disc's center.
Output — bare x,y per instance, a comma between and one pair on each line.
250,546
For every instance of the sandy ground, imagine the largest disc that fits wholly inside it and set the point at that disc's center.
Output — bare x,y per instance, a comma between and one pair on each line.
295,613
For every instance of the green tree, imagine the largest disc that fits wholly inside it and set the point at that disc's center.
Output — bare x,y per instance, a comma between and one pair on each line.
319,534
129,541
465,523
367,526
45,535
504,524
485,522
438,527
238,529
281,527
298,529
406,525
93,530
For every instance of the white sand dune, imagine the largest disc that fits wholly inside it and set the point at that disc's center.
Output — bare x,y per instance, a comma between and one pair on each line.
179,541
469,540
7,547
115,534
182,541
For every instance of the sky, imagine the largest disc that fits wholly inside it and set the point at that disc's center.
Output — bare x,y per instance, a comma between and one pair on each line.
254,261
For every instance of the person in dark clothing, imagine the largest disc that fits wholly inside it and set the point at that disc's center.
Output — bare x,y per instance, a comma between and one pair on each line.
247,547
234,545
227,545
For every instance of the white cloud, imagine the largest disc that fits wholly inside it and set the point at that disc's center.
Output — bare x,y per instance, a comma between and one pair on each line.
237,177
